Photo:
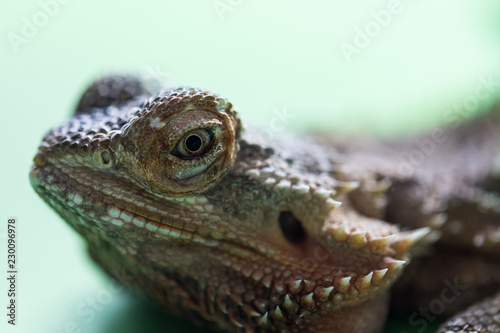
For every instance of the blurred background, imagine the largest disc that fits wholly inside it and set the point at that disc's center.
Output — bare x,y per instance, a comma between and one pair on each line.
381,67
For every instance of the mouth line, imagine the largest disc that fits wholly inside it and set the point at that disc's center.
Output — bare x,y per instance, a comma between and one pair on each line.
145,220
106,201
113,213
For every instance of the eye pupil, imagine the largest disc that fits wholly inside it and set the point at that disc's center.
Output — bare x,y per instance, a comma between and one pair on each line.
193,143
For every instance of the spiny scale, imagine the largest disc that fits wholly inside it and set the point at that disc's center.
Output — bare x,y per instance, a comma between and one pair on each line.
247,233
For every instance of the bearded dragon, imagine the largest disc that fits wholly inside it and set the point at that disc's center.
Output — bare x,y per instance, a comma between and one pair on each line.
240,233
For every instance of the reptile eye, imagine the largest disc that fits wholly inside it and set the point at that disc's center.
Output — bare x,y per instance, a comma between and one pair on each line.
194,144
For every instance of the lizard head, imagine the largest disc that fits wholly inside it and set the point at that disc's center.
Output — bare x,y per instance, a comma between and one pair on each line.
251,230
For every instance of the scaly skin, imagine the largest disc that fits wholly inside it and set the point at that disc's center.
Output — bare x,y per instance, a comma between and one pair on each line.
242,234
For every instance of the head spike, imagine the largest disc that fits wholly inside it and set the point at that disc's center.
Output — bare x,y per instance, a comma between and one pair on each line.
343,284
277,314
308,301
406,240
364,282
378,275
340,233
295,286
395,265
290,305
346,187
380,245
357,240
332,203
323,293
323,193
263,321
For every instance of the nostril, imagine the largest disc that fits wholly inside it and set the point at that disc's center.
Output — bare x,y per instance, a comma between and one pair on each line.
291,227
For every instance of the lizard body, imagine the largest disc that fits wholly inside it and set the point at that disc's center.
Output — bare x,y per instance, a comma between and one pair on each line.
218,224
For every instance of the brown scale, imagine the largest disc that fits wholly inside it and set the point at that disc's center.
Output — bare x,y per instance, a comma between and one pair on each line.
257,241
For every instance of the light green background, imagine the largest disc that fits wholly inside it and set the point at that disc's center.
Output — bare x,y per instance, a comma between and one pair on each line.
263,55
